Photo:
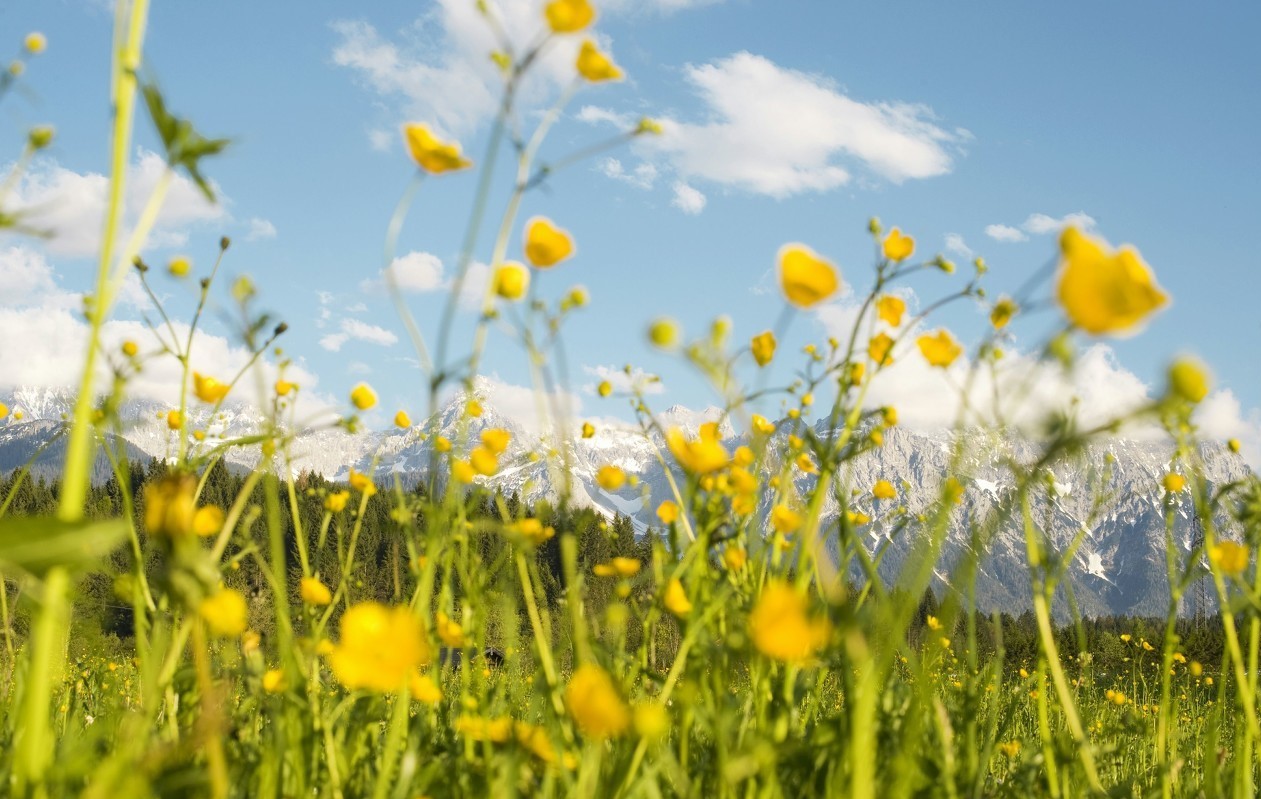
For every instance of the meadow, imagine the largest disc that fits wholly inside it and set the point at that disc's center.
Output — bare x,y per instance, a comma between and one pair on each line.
182,629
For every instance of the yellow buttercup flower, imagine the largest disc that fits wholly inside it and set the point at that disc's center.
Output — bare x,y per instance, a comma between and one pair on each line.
1230,557
762,426
336,501
402,420
314,592
174,420
610,478
940,348
362,483
806,463
1232,444
170,508
806,278
596,66
441,444
664,333
763,346
208,389
462,472
569,16
648,125
588,430
668,512
430,153
35,42
1174,482
512,280
4,410
274,681
225,613
1104,292
208,521
473,409
1188,380
423,689
595,704
604,389
363,397
883,489
890,308
734,558
496,439
880,350
449,631
380,648
484,461
782,627
675,599
626,567
785,520
652,721
1002,312
898,247
545,244
283,387
130,349
702,455
1010,748
179,266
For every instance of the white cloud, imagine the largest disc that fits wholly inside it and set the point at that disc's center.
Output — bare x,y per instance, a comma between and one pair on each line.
956,245
687,199
71,205
622,381
1005,233
359,368
595,115
333,341
26,277
1041,224
353,329
382,140
260,229
777,131
418,271
642,177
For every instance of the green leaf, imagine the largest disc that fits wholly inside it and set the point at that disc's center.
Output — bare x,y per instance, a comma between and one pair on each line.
184,146
39,543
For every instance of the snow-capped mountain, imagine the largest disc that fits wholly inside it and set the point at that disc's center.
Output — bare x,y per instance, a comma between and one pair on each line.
1118,565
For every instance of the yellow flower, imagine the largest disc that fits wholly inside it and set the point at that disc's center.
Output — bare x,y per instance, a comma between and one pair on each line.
652,721
1147,647
1230,557
676,600
179,266
702,455
1188,380
314,592
430,153
781,626
283,387
1174,482
806,464
533,531
761,426
859,370
569,16
545,244
805,278
496,440
274,681
35,42
462,472
512,280
379,649
1196,668
763,346
208,521
402,420
484,461
785,520
879,349
1002,312
1010,748
1232,444
225,613
423,689
595,704
208,389
610,478
174,420
940,348
362,483
664,333
336,501
890,414
883,489
890,308
1126,637
441,444
898,247
594,65
476,728
933,623
626,567
363,397
668,512
1101,291
952,490
588,430
649,125
4,410
169,505
604,389
450,631
473,409
130,349
734,558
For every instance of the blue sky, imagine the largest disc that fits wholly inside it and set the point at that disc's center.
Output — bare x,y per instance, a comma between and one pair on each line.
794,121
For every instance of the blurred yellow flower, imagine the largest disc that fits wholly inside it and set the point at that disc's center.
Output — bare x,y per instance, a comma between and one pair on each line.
664,333
379,648
785,520
569,16
883,489
423,689
1188,380
610,478
449,631
208,521
1230,557
782,627
35,42
1174,482
806,464
734,557
806,278
402,420
880,350
763,346
762,426
462,472
174,420
1101,291
1010,749
1231,444
274,681
283,387
208,389
595,704
169,505
545,244
130,349
1002,312
652,721
179,266
314,592
363,397
649,125
898,247
668,512
890,308
430,153
512,280
701,455
604,389
336,501
588,430
225,613
362,483
496,439
4,410
473,408
940,348
594,65
934,624
484,461
441,444
626,567
675,599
